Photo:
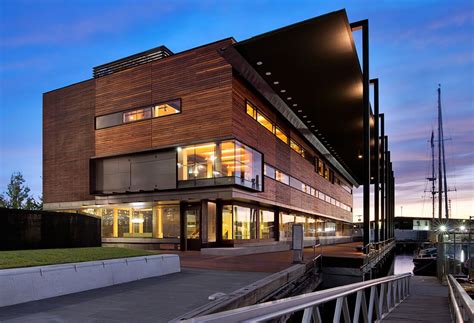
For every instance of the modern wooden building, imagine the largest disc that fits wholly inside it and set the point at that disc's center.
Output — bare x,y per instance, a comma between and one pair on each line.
225,144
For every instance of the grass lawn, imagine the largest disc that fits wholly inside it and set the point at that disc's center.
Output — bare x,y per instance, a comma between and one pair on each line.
41,257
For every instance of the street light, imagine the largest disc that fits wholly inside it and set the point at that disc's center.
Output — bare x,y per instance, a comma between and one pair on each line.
442,228
462,228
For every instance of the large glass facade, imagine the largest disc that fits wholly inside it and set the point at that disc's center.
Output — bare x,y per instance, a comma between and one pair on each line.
266,224
239,223
159,221
227,162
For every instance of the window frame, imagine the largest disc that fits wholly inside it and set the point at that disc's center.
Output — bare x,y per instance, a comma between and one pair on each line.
144,107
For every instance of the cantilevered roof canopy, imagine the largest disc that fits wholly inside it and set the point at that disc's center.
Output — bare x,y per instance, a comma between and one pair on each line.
311,73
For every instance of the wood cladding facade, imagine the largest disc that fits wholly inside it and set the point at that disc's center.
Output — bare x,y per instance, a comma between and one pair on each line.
68,142
213,108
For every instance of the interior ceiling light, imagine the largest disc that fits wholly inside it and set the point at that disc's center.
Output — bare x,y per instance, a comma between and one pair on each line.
312,126
268,73
300,110
282,91
295,104
305,116
259,63
309,121
276,82
289,98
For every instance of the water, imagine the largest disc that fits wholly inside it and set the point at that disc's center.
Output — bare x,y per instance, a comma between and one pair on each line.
403,264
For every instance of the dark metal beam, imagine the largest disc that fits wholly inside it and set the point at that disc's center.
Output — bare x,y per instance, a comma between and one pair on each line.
382,176
364,26
376,172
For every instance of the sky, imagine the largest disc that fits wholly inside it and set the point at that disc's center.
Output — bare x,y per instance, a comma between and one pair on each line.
414,46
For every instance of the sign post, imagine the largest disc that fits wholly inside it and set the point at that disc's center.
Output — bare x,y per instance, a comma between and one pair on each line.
298,246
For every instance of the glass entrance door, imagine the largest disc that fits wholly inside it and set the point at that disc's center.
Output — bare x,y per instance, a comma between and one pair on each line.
193,228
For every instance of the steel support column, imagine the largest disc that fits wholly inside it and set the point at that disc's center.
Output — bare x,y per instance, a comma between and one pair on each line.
364,26
383,234
376,171
389,196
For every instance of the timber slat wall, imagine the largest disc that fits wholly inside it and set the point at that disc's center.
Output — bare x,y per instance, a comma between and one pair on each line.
201,78
68,142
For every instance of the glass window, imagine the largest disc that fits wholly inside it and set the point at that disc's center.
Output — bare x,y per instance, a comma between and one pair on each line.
267,219
265,122
296,183
135,115
321,195
286,226
193,225
211,222
109,120
225,159
320,167
167,221
107,216
282,177
167,108
227,227
244,223
327,198
281,135
269,171
326,172
310,228
251,111
296,147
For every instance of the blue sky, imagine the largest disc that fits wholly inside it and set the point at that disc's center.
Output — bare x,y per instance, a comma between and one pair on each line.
414,46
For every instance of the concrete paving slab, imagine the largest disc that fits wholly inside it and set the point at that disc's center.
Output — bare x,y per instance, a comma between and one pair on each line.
158,299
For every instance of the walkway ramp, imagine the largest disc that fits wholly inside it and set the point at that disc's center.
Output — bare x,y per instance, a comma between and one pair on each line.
427,302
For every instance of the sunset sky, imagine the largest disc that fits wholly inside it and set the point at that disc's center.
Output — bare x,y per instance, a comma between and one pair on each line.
414,46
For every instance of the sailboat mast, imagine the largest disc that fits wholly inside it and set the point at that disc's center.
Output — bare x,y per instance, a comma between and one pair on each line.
433,178
445,182
440,175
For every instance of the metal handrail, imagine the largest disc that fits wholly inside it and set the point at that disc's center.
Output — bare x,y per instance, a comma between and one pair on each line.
385,294
461,303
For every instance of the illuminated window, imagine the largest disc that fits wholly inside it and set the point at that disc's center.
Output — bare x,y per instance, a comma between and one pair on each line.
265,122
282,177
167,108
251,111
286,226
296,147
219,160
319,166
245,223
281,135
135,115
227,230
326,172
267,219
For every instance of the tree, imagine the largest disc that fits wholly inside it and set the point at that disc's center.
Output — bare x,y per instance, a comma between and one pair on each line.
18,195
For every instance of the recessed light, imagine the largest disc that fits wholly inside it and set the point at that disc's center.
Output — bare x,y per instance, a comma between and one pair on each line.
282,91
268,73
312,126
300,110
309,121
289,98
276,82
295,104
259,63
305,116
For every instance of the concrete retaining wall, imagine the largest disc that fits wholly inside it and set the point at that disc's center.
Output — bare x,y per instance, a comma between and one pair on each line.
22,285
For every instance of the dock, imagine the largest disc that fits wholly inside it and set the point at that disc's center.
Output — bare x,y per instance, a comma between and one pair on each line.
427,302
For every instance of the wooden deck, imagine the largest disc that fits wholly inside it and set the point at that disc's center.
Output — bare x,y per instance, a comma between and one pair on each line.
428,302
